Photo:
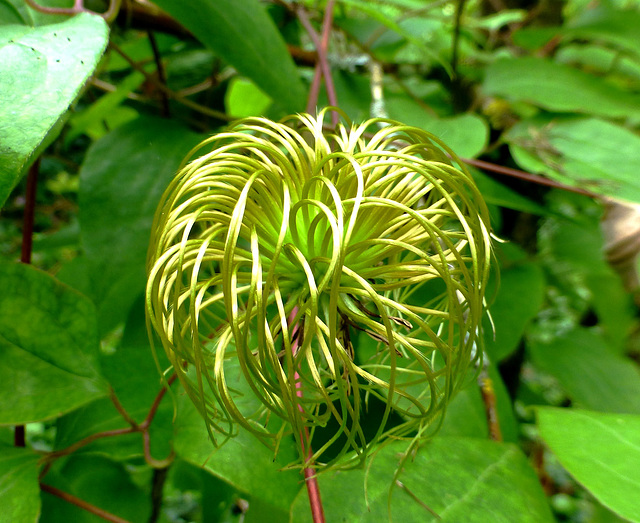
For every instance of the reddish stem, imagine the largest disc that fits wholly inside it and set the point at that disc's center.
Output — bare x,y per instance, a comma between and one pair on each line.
322,67
19,436
311,480
82,504
515,173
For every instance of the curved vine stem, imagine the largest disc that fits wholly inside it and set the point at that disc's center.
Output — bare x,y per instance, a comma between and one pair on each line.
78,7
107,516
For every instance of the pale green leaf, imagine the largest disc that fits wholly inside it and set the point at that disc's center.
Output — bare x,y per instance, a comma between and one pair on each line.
41,72
586,152
601,451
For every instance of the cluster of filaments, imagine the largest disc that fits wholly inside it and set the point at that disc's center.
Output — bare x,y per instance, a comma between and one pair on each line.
283,244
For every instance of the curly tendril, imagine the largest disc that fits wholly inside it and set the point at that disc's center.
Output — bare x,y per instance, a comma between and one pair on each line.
315,270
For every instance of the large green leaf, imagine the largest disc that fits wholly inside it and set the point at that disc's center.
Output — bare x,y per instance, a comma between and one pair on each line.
558,87
585,152
592,374
604,24
466,134
497,193
19,489
602,451
245,36
134,377
42,70
243,461
49,357
457,478
122,179
99,481
519,299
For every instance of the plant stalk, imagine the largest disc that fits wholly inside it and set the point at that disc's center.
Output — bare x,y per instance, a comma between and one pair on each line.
310,478
19,437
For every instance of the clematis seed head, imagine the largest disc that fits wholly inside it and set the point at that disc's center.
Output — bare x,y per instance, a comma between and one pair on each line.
295,273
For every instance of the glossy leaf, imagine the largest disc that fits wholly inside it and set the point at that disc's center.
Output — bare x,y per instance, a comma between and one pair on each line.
49,357
121,181
558,87
591,373
41,72
457,478
243,461
601,451
19,489
519,298
585,152
243,34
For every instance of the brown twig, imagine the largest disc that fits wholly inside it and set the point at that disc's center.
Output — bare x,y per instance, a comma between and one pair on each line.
156,403
78,7
82,504
489,400
134,427
170,93
456,37
157,486
534,178
162,75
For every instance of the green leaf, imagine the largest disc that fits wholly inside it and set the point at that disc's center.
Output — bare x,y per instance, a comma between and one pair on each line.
601,451
243,98
496,193
457,478
19,489
41,72
466,414
604,24
99,481
49,357
591,373
519,298
584,152
136,391
9,14
466,134
244,35
243,461
121,181
558,87
103,108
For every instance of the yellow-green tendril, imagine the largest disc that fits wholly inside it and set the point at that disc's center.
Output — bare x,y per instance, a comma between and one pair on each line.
368,244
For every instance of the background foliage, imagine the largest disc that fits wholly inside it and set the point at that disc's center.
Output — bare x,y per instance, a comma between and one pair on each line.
551,88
